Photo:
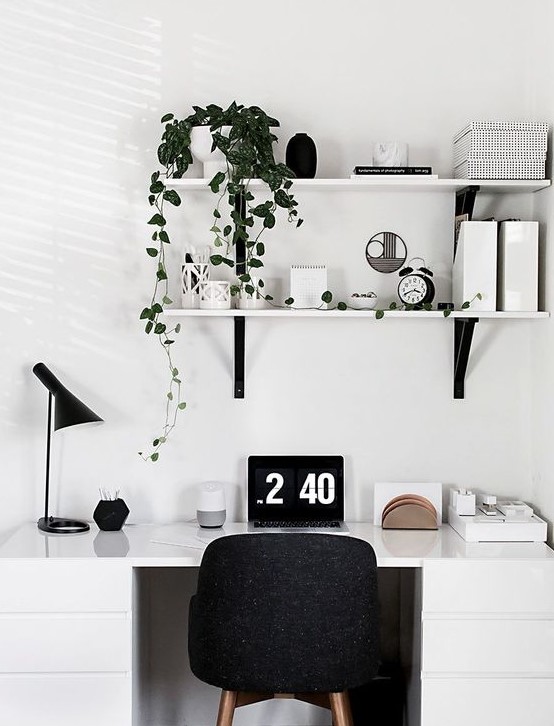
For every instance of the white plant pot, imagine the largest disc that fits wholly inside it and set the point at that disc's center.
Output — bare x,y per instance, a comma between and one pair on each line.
255,301
201,141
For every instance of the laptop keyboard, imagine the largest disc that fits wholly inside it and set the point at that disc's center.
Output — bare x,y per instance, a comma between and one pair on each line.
295,525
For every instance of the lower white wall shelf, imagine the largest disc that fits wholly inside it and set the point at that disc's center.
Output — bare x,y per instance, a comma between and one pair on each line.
464,326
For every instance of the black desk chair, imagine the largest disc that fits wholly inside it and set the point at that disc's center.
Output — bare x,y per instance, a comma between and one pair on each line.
292,614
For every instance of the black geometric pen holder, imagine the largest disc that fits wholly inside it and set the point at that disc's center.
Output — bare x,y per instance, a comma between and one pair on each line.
110,514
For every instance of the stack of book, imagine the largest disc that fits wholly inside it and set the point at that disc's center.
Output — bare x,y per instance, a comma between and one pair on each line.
501,150
411,171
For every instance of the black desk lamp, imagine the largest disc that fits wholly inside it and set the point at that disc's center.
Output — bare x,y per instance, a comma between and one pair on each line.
69,411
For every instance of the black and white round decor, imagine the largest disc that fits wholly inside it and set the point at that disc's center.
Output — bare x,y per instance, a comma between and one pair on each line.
386,252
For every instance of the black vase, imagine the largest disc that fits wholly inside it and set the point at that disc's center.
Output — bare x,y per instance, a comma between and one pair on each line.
110,515
301,156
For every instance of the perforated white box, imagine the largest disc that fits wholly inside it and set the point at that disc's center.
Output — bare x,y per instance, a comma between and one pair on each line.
501,150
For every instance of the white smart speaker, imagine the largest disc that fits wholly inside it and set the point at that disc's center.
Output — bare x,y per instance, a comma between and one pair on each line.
210,510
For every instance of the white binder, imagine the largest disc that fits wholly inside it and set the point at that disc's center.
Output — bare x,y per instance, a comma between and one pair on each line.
518,266
474,269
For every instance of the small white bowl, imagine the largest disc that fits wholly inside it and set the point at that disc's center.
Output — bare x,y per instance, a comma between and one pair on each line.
362,303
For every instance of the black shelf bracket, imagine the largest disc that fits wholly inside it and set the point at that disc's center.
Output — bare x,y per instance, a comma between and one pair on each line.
463,335
465,200
239,320
239,356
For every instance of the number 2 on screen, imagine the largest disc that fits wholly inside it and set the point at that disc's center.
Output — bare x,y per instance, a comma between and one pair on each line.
322,490
279,481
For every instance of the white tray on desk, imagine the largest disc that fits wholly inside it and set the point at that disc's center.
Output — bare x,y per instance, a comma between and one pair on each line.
478,529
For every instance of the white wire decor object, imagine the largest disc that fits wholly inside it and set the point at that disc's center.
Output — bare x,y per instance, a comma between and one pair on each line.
193,275
215,295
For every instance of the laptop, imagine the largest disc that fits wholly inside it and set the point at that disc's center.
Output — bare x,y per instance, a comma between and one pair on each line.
296,494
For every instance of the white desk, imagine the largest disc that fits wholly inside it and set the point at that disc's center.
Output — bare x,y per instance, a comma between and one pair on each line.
477,625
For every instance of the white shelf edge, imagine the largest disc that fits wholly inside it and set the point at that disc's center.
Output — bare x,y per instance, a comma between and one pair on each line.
405,183
422,314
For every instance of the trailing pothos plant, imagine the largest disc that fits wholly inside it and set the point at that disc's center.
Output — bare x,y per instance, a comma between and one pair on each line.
238,219
327,298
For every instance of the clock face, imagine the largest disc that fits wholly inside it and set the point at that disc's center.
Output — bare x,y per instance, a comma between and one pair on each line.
414,289
295,487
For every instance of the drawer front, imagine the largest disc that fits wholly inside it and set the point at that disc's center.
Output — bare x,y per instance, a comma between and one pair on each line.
521,586
486,702
65,701
67,643
64,586
488,646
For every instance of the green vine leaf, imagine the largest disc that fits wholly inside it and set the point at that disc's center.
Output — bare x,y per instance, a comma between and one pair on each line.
327,296
158,220
217,181
379,314
167,117
152,251
342,306
171,196
288,301
155,456
145,314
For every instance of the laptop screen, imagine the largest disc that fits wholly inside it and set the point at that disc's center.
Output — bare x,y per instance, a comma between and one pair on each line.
295,488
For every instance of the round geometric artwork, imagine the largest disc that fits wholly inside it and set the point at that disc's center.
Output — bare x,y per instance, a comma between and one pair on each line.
386,252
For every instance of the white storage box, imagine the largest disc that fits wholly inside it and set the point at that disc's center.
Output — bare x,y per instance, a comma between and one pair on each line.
518,266
501,150
474,269
481,529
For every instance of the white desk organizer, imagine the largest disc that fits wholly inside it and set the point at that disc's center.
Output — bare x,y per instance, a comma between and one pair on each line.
506,521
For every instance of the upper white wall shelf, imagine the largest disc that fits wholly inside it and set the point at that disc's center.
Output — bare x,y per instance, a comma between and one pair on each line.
387,184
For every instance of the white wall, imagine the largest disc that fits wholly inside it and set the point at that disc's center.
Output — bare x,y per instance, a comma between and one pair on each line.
542,352
83,85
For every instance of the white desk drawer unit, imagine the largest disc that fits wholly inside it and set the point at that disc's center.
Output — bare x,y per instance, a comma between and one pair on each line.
486,702
470,586
487,647
71,700
64,586
65,642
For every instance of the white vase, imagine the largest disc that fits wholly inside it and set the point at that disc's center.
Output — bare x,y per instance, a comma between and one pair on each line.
253,301
201,142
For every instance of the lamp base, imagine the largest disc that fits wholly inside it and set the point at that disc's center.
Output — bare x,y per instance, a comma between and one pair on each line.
57,525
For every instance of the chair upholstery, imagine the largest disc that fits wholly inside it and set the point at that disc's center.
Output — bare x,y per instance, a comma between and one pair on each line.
285,613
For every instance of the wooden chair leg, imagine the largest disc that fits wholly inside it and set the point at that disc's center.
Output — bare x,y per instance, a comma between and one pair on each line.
227,704
340,708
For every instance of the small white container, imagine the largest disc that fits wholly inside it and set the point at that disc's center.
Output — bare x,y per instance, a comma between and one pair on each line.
390,153
215,295
358,302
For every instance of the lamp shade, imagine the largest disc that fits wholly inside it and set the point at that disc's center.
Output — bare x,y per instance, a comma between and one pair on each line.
69,410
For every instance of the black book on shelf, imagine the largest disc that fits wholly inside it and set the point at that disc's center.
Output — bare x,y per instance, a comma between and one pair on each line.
368,170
